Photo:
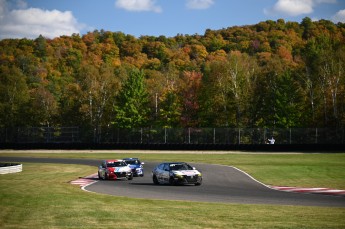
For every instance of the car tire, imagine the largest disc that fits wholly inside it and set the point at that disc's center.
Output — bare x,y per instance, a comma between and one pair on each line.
105,176
130,177
171,181
198,183
155,180
99,176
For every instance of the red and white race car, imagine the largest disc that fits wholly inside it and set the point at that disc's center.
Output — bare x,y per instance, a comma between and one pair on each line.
114,169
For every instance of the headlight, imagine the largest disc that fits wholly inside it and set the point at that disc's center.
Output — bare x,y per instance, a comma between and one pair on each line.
178,175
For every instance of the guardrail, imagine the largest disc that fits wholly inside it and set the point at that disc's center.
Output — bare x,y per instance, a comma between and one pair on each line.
6,168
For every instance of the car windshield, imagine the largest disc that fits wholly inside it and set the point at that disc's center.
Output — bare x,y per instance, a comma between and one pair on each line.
116,164
180,167
133,162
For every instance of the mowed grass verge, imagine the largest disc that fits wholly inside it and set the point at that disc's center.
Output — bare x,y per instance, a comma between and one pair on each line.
41,196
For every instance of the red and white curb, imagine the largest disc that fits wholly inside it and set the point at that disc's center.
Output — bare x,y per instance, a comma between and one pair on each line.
324,191
82,182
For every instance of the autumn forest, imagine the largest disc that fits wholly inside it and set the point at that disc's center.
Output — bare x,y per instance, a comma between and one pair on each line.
271,74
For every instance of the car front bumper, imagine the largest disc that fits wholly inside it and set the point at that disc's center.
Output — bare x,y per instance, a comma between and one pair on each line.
138,172
119,175
184,179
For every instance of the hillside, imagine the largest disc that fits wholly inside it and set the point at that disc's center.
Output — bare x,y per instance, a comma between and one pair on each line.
272,74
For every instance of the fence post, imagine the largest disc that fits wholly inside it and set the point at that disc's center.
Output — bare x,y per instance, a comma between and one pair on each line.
316,135
165,135
214,135
188,135
239,136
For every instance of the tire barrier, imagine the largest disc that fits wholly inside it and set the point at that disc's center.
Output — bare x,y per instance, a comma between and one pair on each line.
6,168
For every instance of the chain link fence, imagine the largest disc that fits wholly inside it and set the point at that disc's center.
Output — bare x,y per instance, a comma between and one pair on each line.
230,136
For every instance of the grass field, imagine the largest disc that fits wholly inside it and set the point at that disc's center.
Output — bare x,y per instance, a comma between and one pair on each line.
41,196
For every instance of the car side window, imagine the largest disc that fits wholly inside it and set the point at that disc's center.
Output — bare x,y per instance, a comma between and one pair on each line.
166,167
161,166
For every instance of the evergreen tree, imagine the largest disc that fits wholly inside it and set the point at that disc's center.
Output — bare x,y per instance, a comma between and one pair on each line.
132,109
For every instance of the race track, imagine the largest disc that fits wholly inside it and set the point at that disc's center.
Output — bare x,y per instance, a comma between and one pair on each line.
220,184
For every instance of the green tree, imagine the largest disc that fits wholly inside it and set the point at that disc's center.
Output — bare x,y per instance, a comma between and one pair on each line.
41,47
324,60
71,102
44,106
263,100
170,109
230,86
308,26
14,95
98,87
132,109
287,104
167,102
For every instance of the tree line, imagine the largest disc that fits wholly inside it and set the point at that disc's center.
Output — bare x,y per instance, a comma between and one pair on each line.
271,74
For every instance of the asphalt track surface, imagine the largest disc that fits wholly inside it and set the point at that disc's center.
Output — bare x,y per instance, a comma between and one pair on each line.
223,184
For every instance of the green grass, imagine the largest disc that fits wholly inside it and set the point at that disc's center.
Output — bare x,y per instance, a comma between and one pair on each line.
41,197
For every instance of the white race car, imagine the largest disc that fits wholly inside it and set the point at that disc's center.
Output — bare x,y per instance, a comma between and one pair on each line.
176,173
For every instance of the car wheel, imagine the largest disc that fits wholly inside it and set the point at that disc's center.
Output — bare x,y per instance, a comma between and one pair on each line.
155,180
99,176
105,176
130,177
171,181
198,183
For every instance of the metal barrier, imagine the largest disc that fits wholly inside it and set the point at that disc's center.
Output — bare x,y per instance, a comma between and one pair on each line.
229,136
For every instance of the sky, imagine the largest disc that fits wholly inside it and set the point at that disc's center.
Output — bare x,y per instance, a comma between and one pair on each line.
54,18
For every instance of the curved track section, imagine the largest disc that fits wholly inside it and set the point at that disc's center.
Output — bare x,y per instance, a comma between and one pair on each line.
220,184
